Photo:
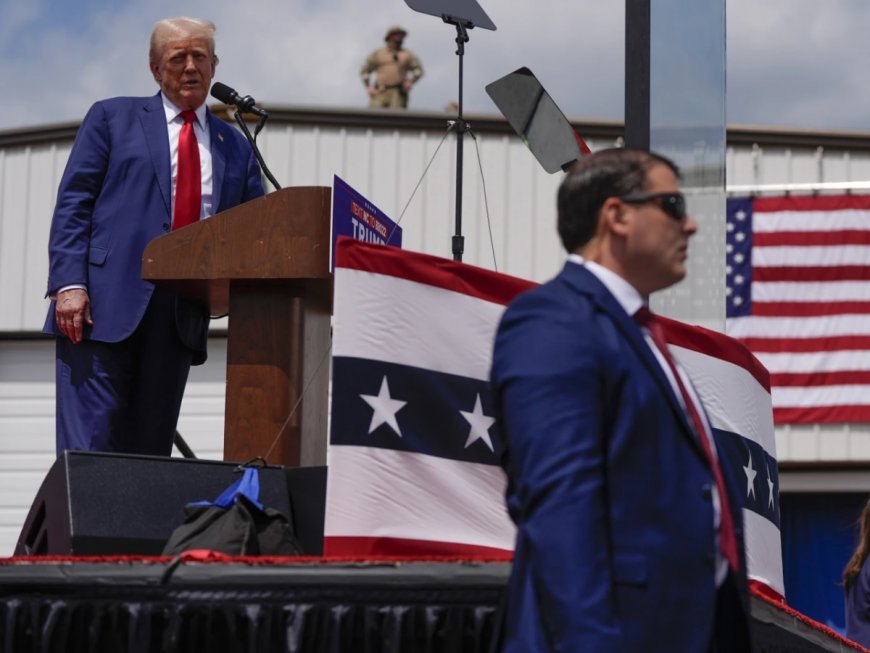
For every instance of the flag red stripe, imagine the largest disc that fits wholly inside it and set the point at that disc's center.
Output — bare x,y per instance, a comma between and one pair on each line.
396,546
806,345
808,309
717,345
810,238
792,236
778,603
763,589
807,379
812,273
821,414
432,270
811,203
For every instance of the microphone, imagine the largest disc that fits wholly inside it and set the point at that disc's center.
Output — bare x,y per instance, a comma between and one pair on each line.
228,95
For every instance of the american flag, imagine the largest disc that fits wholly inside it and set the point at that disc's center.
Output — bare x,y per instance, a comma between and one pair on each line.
798,284
412,457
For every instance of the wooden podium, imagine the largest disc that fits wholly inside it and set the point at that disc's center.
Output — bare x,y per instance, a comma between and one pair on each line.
266,263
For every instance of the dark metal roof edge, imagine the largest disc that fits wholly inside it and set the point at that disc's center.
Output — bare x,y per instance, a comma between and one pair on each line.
24,136
413,120
822,466
798,138
409,120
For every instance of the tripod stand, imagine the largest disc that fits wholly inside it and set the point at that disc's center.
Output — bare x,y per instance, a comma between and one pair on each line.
464,15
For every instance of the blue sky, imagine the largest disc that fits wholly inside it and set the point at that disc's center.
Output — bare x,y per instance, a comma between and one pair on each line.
791,63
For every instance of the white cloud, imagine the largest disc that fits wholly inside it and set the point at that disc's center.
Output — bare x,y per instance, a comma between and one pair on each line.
791,62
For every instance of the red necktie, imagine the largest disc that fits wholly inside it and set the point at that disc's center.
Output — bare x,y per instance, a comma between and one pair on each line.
188,187
727,537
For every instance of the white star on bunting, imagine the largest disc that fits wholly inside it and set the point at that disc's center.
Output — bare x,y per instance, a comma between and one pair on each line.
769,490
385,408
480,424
750,478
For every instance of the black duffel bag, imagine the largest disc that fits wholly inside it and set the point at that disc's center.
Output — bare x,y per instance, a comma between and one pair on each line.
235,523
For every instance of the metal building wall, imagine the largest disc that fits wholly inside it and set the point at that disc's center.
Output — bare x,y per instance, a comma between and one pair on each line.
383,155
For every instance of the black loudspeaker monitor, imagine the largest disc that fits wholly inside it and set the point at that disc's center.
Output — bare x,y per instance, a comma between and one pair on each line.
112,504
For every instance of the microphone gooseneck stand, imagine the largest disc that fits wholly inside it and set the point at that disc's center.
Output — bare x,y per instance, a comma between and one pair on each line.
253,141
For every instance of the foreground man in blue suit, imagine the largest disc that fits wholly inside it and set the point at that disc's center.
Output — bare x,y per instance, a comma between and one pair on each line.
628,537
139,168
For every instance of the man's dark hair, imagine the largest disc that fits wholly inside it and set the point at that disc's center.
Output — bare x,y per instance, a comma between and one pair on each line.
594,178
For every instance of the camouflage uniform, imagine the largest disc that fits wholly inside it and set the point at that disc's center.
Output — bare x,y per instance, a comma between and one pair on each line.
392,67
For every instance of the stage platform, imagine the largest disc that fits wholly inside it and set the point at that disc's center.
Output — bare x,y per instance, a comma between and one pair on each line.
214,603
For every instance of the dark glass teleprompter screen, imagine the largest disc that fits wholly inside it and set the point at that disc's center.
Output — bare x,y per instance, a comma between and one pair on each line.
468,12
535,117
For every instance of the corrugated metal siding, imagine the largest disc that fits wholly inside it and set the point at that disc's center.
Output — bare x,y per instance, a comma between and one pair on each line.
757,165
385,162
28,183
26,430
27,422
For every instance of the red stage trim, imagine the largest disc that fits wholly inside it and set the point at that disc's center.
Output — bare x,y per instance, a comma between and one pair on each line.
205,556
764,593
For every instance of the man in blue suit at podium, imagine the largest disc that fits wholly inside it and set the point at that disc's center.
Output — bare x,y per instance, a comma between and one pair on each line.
628,530
139,167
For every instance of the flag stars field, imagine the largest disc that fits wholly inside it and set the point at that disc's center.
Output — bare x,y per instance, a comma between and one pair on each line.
385,408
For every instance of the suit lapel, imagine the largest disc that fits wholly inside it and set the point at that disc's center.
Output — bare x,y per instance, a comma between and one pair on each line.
587,283
218,159
153,120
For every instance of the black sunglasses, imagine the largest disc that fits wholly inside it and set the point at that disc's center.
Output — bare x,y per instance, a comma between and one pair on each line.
674,204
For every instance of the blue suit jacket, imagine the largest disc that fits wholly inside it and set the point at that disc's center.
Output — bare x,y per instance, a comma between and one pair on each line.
608,486
115,197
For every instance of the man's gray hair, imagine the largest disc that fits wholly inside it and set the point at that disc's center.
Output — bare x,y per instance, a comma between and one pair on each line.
180,27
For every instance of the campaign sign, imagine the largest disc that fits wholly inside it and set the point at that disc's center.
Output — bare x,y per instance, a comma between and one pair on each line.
354,216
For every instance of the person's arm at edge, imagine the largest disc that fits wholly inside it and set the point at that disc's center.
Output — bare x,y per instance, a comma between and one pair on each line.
69,239
415,69
365,73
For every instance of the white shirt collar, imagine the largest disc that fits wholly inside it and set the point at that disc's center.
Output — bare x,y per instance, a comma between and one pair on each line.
624,293
172,111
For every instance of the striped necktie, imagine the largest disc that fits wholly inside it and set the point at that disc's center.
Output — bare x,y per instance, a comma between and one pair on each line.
727,537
